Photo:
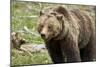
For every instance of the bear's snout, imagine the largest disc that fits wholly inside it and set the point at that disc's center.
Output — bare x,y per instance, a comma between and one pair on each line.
43,35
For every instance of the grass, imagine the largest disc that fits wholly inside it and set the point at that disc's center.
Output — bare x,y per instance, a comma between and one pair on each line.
25,59
21,17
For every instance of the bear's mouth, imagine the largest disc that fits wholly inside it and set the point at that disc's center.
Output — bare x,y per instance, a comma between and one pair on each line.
46,38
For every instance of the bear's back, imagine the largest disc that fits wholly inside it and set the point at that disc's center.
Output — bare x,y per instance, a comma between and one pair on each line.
83,25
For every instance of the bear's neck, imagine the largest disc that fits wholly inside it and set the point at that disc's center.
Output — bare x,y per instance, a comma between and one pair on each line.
64,31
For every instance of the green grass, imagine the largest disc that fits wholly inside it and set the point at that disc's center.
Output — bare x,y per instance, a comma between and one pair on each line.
25,59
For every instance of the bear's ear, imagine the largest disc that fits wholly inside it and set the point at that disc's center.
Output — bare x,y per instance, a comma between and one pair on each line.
62,10
59,17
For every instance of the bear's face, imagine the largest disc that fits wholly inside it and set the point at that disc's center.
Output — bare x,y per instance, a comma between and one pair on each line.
49,26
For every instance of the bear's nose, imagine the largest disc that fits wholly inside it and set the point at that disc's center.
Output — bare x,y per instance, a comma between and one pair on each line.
43,35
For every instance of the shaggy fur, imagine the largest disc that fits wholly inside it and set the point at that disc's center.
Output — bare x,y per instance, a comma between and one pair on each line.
69,34
16,40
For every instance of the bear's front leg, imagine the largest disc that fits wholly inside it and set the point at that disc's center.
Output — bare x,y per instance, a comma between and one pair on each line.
71,51
55,53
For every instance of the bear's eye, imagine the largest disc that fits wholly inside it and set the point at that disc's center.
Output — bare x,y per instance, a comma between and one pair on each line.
50,28
41,26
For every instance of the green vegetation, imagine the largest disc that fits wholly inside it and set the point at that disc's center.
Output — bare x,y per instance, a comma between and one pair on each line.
25,59
26,14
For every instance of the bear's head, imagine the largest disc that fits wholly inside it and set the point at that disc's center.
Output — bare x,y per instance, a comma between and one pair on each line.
51,23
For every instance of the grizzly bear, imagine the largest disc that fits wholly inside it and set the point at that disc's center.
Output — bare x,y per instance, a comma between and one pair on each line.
69,34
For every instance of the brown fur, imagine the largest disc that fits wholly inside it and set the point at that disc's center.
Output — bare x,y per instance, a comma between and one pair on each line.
72,37
16,40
